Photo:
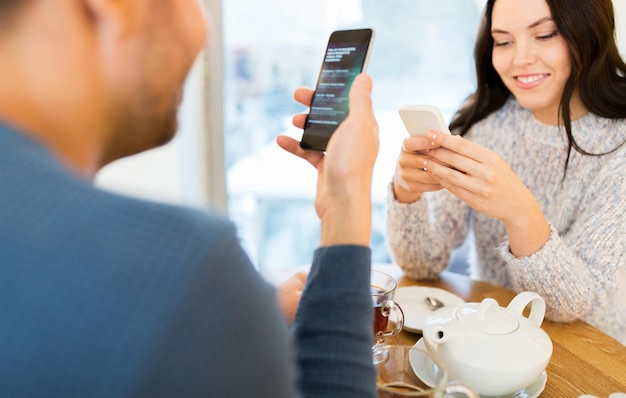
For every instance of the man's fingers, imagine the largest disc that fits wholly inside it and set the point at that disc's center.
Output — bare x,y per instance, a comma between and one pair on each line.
299,120
290,145
293,146
360,96
303,95
360,99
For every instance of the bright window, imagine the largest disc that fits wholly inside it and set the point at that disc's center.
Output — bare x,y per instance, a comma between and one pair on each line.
422,55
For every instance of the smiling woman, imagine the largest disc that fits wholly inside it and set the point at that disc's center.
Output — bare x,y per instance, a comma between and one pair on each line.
549,112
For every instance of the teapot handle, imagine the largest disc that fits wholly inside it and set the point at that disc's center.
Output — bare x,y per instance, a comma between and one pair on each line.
537,310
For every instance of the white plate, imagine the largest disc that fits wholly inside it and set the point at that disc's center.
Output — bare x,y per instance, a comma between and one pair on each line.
411,300
427,371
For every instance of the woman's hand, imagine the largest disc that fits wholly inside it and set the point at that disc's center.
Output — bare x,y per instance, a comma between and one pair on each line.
487,184
411,178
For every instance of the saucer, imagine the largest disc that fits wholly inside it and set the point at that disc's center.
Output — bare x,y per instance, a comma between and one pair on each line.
531,391
411,300
428,372
423,366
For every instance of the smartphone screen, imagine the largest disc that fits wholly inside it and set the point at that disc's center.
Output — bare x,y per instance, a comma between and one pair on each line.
346,56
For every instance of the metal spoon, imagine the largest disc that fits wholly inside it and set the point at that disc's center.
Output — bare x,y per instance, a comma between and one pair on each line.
433,303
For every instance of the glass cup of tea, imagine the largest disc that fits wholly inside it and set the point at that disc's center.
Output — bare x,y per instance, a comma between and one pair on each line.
383,288
413,372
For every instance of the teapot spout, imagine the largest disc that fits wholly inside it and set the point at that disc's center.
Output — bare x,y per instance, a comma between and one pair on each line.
439,335
435,335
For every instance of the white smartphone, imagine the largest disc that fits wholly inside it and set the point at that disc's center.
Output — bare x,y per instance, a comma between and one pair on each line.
418,119
346,56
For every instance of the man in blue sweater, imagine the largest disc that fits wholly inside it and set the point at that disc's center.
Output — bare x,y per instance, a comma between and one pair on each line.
108,296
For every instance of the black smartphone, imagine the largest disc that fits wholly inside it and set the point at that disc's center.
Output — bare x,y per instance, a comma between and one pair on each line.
347,54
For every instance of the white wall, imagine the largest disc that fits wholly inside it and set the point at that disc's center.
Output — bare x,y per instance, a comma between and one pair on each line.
620,20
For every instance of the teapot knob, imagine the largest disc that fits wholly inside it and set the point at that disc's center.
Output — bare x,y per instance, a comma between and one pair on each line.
537,309
487,305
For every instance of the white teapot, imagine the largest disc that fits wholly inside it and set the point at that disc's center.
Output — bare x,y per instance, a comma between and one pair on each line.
495,350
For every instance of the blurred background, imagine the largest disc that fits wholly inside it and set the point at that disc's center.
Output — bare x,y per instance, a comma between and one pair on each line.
238,98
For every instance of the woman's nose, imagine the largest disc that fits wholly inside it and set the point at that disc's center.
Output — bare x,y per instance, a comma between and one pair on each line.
525,54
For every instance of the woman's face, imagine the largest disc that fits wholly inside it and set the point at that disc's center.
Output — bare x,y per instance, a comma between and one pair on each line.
530,55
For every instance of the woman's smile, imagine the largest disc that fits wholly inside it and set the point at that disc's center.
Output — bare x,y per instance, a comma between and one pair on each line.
530,81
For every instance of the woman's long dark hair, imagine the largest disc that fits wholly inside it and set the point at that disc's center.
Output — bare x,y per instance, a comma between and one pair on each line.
597,70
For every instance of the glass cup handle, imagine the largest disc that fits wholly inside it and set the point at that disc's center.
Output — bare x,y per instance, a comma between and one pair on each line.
388,307
456,387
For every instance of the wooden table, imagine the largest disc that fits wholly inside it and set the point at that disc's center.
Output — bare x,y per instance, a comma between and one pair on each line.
584,360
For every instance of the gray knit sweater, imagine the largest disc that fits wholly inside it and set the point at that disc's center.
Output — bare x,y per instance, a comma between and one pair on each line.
581,270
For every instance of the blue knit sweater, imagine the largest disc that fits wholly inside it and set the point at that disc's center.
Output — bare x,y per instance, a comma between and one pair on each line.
107,296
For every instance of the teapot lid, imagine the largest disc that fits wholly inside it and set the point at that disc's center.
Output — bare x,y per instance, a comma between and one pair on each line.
488,317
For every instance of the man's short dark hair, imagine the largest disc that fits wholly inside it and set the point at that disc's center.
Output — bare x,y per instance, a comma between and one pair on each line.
8,9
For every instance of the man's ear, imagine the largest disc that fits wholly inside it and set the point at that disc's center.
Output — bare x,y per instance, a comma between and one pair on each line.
112,17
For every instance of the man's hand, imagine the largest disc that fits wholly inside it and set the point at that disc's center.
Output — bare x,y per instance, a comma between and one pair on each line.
343,201
289,293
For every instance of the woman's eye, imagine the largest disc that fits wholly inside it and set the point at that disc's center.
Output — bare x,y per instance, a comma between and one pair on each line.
501,43
548,36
